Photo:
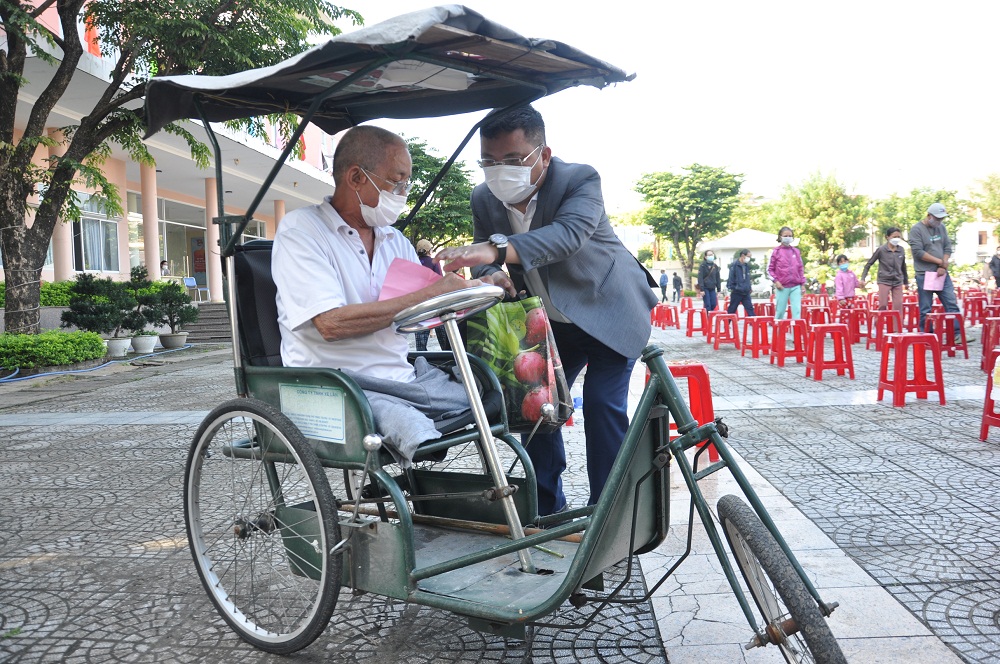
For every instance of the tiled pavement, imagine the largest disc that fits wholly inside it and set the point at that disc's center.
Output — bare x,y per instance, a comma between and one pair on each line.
890,509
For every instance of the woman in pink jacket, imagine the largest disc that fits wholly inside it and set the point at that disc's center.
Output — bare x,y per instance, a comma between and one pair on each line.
788,274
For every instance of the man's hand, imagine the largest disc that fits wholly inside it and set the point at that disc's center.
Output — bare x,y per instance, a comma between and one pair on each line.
502,280
446,284
943,270
455,258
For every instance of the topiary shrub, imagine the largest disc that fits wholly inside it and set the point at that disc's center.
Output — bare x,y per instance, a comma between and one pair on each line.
49,349
99,305
172,307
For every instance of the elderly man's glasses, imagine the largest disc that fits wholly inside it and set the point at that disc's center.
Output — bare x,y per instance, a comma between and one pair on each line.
513,161
400,188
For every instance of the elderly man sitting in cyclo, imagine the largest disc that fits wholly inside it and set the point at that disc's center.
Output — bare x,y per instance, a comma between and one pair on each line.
329,263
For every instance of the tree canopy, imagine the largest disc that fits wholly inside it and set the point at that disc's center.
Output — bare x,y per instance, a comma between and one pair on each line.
445,218
824,216
686,208
139,40
987,199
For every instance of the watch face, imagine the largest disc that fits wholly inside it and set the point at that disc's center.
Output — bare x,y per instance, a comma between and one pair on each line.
498,239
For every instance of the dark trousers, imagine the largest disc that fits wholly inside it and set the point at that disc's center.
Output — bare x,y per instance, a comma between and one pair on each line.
605,416
663,293
710,297
736,299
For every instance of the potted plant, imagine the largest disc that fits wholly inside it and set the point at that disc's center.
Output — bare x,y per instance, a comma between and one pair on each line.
101,306
173,308
143,314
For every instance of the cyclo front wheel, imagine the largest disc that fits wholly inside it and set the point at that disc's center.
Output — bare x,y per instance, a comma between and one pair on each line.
792,617
261,524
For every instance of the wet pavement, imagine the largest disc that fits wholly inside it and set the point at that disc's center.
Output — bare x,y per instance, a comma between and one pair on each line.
892,511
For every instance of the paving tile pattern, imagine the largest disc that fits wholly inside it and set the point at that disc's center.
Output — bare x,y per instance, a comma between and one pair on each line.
94,564
909,493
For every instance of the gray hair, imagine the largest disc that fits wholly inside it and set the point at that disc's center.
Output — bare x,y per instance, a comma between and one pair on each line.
364,146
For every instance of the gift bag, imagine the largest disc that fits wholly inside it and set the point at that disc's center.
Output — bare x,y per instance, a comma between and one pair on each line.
515,339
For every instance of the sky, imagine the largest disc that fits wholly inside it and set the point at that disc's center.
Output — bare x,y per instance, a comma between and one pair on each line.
885,95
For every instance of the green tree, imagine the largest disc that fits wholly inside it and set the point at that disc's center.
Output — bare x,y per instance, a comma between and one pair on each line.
686,208
141,39
987,199
824,216
445,217
758,214
905,211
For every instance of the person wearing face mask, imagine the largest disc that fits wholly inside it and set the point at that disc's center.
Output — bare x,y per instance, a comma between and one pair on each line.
708,281
740,284
845,283
892,277
329,262
788,274
931,248
544,219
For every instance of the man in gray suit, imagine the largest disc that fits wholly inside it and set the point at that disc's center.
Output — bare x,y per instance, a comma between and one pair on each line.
544,219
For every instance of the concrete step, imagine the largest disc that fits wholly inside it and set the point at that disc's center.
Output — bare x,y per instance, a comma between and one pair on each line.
212,325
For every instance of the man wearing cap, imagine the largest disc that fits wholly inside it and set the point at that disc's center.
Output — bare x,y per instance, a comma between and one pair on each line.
931,249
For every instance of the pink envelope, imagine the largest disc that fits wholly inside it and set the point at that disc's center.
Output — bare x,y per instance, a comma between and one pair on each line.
405,277
933,281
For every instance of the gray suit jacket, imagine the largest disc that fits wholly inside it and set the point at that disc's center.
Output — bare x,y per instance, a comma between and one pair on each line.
591,277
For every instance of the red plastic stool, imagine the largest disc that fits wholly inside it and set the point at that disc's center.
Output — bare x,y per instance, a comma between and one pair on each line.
764,309
818,314
991,418
725,330
881,323
972,308
842,360
699,397
710,326
911,316
991,339
853,319
941,324
991,310
902,382
701,326
671,317
686,304
756,328
796,328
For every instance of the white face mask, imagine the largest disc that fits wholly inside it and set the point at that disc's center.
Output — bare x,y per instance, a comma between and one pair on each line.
896,242
390,206
511,184
786,240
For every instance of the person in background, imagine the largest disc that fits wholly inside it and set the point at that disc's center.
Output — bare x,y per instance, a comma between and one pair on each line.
788,274
845,284
678,287
931,248
424,249
892,277
709,277
164,269
544,219
663,285
740,284
995,267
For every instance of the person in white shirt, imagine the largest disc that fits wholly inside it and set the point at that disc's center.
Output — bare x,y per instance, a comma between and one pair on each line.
329,262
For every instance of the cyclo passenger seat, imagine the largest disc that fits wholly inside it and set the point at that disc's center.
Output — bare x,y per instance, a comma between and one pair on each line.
260,335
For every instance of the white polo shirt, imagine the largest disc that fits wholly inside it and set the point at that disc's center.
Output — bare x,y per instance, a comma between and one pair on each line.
319,263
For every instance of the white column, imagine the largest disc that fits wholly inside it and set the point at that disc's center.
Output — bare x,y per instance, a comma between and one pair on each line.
150,222
212,249
62,235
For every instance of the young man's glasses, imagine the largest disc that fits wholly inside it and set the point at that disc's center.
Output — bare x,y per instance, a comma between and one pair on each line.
513,161
401,188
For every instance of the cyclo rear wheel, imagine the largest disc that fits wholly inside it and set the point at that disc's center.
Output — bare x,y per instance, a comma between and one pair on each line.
261,523
777,589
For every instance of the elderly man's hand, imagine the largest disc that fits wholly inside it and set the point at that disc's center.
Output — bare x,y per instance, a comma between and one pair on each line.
455,258
448,283
502,280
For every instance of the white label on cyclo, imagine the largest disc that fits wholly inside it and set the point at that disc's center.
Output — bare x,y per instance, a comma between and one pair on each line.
317,411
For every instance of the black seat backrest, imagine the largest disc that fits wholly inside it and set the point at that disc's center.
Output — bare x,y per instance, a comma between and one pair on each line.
256,309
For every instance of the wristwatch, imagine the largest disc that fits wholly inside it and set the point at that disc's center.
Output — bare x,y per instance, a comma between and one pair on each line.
499,240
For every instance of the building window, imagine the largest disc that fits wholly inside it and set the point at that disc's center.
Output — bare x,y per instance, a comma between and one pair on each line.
983,238
95,245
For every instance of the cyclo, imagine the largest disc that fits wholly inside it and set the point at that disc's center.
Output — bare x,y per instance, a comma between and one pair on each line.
273,544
